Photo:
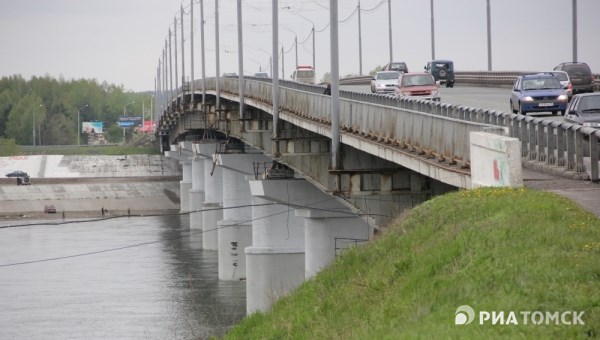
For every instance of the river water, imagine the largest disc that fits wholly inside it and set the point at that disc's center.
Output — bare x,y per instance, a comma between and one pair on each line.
123,278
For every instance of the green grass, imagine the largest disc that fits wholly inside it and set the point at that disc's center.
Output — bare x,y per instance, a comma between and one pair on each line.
88,150
493,249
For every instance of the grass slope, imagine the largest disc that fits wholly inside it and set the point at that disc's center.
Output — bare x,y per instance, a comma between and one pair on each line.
493,249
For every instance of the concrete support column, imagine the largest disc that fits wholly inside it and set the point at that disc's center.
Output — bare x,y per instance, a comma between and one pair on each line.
213,203
185,185
323,236
235,230
275,261
197,194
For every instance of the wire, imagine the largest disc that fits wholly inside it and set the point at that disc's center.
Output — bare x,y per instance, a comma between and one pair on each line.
171,238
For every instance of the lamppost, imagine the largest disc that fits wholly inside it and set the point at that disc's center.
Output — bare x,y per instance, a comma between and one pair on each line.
33,124
144,111
79,124
124,112
312,32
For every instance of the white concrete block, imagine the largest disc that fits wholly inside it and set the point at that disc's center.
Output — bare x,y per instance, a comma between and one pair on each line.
495,160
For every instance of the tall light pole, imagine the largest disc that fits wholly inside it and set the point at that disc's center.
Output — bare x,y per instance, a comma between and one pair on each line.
489,36
432,32
574,30
390,29
33,124
79,124
124,112
360,70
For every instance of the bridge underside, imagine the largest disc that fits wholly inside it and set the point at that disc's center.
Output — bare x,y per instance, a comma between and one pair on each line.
375,179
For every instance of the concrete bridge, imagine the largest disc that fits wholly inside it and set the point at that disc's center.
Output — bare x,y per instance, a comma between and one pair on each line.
272,203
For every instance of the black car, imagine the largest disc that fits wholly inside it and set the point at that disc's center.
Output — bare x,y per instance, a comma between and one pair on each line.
17,173
442,71
580,74
585,110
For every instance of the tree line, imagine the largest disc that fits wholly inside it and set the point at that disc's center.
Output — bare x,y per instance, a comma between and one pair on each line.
52,105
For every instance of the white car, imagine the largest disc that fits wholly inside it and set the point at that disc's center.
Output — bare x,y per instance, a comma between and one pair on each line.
385,81
565,81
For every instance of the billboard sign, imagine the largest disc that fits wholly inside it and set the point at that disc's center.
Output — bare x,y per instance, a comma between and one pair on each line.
130,121
91,127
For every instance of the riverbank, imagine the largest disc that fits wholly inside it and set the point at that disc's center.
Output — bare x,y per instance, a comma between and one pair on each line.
87,197
490,250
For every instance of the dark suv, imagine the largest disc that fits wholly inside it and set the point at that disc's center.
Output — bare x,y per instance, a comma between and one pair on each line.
442,71
580,74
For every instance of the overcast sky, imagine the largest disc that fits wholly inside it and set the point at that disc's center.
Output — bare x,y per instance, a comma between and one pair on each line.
120,41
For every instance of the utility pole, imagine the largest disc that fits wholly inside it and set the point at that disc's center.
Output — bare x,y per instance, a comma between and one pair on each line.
176,74
218,75
202,49
574,30
390,29
489,36
335,85
360,70
240,60
432,32
275,76
192,54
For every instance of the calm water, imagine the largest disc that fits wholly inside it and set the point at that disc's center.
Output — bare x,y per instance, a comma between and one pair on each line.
159,285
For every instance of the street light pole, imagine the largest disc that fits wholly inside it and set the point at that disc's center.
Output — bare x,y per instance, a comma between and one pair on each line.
124,110
79,124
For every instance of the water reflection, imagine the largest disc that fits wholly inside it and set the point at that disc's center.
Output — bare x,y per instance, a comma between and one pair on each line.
165,287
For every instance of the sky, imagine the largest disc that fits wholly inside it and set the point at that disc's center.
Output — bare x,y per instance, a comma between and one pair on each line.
121,41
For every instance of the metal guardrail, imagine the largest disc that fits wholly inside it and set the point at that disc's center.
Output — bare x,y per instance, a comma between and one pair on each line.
502,79
443,138
437,129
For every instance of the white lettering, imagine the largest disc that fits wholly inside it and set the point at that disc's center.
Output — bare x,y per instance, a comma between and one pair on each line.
497,317
552,316
539,316
511,319
525,316
577,318
563,318
483,316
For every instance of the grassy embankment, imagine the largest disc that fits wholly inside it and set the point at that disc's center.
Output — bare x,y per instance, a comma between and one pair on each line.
493,249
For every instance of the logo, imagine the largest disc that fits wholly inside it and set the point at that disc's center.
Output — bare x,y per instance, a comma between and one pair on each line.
464,315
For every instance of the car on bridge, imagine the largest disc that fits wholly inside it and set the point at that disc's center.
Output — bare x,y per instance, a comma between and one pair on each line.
538,93
563,78
580,74
584,109
399,66
419,85
442,71
384,81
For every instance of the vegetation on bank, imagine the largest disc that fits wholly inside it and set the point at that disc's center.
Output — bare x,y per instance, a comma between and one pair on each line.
492,249
55,106
140,145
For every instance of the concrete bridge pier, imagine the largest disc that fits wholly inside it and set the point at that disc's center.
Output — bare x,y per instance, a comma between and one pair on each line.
329,233
185,185
197,193
275,261
212,208
235,229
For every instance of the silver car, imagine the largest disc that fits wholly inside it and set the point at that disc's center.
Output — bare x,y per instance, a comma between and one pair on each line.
385,81
585,110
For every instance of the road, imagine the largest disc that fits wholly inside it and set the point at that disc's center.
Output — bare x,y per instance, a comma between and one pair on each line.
480,97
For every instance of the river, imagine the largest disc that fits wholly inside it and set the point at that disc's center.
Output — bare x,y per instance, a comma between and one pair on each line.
123,278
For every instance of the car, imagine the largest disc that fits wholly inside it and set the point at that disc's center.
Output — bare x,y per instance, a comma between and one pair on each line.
230,74
16,173
419,85
399,66
538,93
384,81
261,75
563,78
584,109
580,74
49,209
442,71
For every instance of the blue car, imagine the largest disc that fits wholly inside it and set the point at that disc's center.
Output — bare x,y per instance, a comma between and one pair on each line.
538,93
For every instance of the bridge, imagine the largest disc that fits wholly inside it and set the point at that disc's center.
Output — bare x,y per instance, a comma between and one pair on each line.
277,205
